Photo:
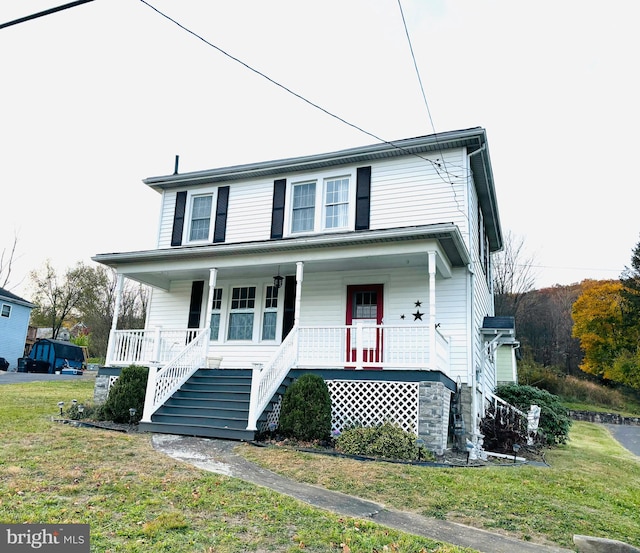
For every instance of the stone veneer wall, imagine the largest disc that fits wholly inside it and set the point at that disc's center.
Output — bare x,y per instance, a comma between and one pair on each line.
433,416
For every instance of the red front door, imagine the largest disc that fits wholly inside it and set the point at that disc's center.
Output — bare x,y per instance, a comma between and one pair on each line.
364,310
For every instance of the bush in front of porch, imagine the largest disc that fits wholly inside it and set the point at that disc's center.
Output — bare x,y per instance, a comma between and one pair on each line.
306,409
127,393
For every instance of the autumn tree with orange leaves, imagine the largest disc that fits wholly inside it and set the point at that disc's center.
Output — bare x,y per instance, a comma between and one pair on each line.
610,347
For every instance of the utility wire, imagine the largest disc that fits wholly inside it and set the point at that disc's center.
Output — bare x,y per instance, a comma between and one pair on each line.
426,104
435,164
43,13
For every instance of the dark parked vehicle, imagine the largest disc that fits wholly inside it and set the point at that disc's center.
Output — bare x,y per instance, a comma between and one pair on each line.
51,356
4,364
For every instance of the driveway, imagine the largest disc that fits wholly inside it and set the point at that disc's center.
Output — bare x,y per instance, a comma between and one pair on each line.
16,377
628,435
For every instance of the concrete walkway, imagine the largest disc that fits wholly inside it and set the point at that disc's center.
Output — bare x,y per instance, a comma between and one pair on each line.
218,456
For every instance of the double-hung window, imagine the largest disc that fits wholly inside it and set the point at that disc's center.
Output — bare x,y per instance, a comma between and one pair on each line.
270,315
216,307
200,222
336,203
243,304
6,310
304,207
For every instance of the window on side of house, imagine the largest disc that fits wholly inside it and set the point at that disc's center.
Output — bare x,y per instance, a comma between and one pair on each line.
6,310
304,207
200,217
336,203
243,303
270,314
216,307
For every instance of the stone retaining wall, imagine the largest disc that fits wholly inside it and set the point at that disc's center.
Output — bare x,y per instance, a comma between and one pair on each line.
603,418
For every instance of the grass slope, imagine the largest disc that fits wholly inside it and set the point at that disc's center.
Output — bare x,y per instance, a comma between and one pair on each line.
592,488
137,500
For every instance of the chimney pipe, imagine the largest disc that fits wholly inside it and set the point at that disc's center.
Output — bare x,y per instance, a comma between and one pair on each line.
175,169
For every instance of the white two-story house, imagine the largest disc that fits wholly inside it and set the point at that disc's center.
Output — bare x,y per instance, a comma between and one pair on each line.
369,266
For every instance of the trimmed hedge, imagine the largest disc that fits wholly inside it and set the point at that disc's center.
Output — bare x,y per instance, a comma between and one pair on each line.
306,409
127,392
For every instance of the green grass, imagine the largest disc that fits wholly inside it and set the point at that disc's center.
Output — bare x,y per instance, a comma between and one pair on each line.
138,500
592,488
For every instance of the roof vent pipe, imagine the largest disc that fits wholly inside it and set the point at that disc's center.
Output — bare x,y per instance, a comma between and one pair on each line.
175,168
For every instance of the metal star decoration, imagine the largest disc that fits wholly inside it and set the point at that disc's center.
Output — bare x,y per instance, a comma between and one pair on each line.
418,303
417,316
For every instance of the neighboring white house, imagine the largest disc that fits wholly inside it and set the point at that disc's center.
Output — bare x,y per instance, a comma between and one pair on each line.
14,322
370,266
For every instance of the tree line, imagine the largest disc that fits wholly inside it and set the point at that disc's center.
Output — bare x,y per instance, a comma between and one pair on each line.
588,328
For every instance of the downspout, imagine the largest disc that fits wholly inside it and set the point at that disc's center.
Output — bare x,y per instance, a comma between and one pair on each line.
474,430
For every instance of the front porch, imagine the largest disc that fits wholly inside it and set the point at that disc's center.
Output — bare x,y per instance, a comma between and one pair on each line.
389,353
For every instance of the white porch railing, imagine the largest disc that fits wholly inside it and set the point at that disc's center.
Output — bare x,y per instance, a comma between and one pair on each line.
144,347
266,379
358,347
162,383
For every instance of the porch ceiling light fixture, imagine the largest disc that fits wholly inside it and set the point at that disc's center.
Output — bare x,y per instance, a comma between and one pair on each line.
277,280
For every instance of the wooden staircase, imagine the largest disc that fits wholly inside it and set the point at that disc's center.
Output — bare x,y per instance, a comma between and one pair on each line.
213,403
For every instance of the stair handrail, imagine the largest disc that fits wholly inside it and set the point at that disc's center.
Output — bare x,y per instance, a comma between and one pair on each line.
267,378
163,383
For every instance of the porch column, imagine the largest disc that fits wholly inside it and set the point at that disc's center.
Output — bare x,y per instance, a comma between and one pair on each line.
114,320
299,278
433,358
213,277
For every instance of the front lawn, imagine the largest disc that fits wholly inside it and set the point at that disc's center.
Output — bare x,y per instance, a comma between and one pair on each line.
138,500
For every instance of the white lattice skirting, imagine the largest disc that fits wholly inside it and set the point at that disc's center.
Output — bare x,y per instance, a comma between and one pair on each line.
367,403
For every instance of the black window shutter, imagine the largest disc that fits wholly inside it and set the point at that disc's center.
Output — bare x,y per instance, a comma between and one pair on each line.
363,197
178,218
277,214
222,205
195,306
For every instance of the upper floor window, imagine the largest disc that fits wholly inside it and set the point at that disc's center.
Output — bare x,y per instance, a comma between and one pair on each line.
6,310
320,205
200,222
304,207
336,203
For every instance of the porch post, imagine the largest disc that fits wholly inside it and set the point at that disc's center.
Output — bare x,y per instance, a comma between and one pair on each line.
433,359
213,277
114,320
299,278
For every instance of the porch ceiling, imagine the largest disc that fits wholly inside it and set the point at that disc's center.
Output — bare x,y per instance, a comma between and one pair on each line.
370,250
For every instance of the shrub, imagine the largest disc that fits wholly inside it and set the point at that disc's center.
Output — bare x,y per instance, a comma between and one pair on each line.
554,417
386,440
127,392
306,409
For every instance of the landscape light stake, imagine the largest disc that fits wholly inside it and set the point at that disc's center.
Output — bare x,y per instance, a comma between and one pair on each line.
516,448
132,413
80,410
419,445
61,405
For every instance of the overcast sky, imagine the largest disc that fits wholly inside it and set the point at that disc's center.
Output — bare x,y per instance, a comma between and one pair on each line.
100,96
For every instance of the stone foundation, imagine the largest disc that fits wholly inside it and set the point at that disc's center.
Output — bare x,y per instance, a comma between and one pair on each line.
433,416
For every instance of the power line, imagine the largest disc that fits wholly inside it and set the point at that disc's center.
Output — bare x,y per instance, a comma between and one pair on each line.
43,13
435,164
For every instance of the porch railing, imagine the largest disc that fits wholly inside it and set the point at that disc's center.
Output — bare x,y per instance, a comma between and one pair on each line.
371,346
143,347
266,379
359,347
163,383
